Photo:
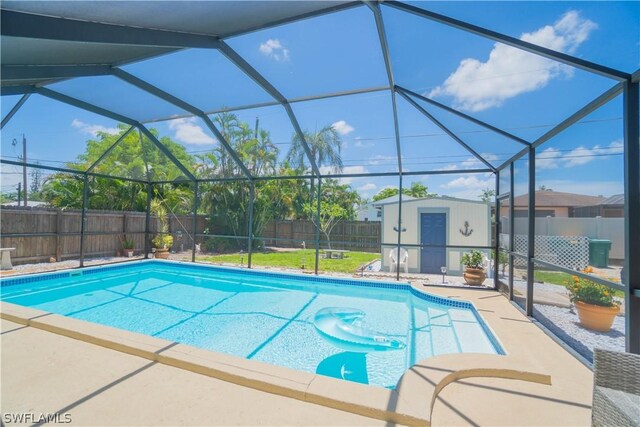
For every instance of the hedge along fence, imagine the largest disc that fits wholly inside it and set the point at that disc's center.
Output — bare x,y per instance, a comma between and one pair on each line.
39,234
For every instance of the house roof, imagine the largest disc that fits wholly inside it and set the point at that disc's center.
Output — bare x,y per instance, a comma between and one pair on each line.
616,199
546,198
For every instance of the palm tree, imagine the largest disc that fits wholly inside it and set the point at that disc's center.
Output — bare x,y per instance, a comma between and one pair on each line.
325,146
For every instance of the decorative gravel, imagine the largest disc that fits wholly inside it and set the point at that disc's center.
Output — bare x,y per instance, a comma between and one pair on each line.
563,322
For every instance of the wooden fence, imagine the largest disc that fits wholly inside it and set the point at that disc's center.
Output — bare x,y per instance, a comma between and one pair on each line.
351,235
39,234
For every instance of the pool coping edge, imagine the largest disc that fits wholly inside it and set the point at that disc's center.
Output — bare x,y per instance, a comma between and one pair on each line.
410,404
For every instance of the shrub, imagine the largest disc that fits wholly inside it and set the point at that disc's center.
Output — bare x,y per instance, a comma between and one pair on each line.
589,292
473,259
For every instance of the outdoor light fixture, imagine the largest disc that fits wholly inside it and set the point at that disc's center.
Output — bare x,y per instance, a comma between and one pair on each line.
443,269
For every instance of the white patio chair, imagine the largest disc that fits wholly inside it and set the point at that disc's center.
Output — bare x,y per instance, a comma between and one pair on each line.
399,261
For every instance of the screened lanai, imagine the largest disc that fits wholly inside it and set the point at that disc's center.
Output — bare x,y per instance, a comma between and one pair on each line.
417,92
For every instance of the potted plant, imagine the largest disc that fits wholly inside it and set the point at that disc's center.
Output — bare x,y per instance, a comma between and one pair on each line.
474,273
596,306
163,240
128,246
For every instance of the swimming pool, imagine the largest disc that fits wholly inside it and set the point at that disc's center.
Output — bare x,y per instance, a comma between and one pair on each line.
265,316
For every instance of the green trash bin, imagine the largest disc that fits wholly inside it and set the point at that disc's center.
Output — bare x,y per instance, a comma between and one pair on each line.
599,252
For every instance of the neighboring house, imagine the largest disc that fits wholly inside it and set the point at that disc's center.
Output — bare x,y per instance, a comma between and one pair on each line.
373,211
613,207
552,203
436,221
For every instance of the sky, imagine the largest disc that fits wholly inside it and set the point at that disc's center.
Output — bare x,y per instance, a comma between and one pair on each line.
514,90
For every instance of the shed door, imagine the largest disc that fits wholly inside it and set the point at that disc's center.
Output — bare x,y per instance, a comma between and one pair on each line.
433,231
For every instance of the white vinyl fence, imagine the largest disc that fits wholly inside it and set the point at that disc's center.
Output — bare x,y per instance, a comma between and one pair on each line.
577,230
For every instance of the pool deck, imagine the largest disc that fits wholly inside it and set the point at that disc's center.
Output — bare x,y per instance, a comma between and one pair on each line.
104,376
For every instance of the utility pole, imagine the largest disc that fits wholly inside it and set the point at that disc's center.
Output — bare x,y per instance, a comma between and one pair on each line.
24,167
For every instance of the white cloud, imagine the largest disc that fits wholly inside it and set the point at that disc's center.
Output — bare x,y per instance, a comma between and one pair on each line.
342,127
275,50
382,159
360,143
187,131
367,187
509,72
474,163
470,183
328,170
552,158
581,155
449,167
93,129
548,159
468,187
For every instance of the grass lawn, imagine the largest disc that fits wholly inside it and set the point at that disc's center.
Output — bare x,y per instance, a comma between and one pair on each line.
559,278
296,259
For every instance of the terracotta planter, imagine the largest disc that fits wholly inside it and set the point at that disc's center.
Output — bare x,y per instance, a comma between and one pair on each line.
474,276
128,253
596,317
162,253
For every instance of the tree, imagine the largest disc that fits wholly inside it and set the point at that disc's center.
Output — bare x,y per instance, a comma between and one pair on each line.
228,203
35,185
133,157
337,202
385,193
417,190
325,146
8,197
487,195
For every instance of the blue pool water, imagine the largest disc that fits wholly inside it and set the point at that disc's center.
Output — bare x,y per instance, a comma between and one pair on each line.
261,316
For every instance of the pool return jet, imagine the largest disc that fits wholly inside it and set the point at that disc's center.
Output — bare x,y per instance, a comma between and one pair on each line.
341,327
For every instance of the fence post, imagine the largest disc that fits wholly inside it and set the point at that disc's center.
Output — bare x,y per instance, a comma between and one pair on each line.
252,194
632,215
531,230
399,226
195,220
58,238
496,218
83,217
318,197
512,230
124,224
147,221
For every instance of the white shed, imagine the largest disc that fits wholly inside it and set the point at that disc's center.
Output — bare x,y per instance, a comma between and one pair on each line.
373,211
437,222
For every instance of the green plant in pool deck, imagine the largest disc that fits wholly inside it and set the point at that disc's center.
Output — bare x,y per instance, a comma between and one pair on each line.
162,240
589,292
128,244
473,259
474,273
595,303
